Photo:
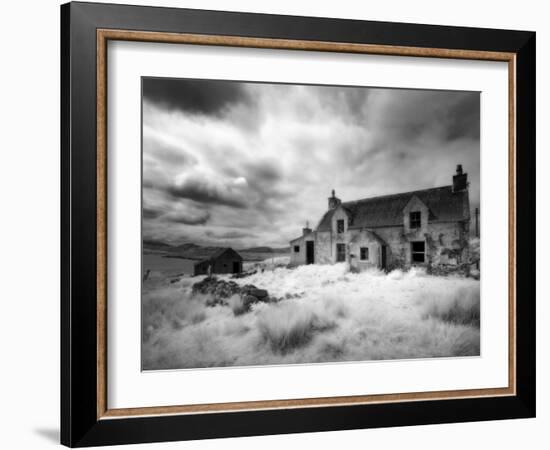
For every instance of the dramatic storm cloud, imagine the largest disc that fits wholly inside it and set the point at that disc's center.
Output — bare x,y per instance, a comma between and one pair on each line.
247,164
193,96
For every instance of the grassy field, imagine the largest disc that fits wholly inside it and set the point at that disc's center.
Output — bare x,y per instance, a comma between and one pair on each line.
314,314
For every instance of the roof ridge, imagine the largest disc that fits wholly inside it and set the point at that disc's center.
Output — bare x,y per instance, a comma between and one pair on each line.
387,210
394,195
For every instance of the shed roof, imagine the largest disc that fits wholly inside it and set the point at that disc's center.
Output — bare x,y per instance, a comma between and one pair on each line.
385,211
211,253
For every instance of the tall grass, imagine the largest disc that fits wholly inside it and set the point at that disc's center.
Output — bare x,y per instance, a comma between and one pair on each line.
458,307
290,325
326,314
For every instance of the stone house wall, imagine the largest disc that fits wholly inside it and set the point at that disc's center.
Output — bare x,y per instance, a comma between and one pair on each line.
299,257
362,239
444,242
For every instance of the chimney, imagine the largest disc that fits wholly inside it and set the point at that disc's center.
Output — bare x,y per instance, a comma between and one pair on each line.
460,180
306,230
333,201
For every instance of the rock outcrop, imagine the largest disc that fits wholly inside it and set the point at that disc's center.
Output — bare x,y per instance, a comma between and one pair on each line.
219,292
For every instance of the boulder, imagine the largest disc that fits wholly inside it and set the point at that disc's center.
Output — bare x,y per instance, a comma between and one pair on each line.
220,290
258,293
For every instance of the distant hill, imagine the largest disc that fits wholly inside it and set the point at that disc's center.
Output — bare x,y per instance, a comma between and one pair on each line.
153,246
151,243
185,247
195,251
266,250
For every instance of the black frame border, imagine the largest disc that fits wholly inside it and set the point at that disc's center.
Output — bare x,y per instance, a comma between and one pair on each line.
79,423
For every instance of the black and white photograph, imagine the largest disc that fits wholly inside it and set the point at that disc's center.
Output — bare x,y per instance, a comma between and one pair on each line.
302,224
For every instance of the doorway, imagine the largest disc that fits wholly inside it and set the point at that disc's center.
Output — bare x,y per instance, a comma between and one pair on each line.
384,262
310,252
340,252
236,267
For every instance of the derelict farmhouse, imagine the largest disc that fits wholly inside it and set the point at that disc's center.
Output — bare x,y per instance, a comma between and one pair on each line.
426,227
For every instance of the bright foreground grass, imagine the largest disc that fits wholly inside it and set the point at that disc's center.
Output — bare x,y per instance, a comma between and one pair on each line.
326,315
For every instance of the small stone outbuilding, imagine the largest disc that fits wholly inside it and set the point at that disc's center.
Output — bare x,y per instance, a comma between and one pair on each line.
222,260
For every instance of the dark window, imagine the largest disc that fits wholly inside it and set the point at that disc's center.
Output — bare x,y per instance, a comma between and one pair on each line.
418,252
340,226
415,221
340,252
364,253
296,249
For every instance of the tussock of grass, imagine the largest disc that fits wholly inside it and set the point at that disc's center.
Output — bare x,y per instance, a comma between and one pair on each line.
237,305
288,326
460,307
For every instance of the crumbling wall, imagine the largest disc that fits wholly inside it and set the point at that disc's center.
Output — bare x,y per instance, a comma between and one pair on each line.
325,245
359,239
323,248
446,243
298,258
398,248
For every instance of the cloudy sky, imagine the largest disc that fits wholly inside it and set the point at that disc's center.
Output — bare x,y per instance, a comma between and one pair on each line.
247,164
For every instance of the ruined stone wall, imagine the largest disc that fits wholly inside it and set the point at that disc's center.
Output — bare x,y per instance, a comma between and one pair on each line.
445,243
359,239
325,245
398,247
324,248
299,258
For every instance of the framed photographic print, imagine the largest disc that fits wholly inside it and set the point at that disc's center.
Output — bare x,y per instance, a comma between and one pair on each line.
276,224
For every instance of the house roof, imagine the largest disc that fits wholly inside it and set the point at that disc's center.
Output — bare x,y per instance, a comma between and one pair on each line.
303,236
385,211
371,234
